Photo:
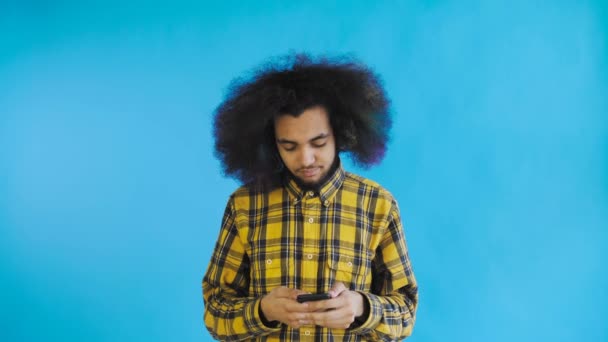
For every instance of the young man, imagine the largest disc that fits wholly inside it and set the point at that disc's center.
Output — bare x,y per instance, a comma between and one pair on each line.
300,224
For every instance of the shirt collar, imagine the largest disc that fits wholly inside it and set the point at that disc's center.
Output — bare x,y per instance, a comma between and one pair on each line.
326,191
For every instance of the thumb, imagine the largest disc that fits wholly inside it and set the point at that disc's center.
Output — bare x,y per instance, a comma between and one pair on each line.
337,289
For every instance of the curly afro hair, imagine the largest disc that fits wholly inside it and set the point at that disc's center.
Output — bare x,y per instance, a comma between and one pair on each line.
350,92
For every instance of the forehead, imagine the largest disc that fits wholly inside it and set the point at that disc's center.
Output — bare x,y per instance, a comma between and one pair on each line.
309,124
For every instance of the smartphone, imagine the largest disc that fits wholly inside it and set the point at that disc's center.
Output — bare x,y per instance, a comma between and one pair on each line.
312,297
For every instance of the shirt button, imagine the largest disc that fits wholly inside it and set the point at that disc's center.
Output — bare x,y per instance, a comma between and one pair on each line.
311,194
307,332
311,220
326,203
269,261
309,256
350,264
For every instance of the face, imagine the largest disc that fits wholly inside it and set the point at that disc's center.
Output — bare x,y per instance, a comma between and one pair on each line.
306,144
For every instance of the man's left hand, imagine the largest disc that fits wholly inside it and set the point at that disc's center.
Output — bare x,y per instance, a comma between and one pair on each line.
338,312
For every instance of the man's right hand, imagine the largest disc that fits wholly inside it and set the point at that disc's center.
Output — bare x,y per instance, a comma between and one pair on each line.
281,305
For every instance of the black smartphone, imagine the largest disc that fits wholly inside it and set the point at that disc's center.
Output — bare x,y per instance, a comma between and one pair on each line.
312,297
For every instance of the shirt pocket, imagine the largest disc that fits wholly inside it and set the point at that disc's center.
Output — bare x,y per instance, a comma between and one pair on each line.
351,268
268,272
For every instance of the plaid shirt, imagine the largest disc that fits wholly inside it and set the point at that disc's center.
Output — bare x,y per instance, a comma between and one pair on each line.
348,231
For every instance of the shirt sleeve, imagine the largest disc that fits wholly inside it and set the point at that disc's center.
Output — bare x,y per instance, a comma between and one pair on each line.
393,298
231,314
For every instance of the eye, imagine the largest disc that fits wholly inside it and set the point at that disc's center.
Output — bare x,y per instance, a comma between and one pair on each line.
289,148
319,143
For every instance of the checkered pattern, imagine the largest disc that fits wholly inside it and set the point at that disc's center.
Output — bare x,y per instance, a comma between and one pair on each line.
348,231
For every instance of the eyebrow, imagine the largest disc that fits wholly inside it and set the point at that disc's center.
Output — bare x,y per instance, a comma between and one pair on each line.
318,137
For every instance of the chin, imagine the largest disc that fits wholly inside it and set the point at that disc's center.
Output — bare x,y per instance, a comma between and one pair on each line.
310,183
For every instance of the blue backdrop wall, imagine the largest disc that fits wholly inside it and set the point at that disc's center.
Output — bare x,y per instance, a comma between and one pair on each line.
111,199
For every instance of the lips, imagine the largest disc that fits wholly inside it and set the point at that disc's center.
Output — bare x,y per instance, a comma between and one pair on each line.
308,173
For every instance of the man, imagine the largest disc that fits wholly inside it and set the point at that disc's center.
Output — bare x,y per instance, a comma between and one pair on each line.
300,224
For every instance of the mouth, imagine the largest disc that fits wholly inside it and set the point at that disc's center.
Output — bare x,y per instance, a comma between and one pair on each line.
309,172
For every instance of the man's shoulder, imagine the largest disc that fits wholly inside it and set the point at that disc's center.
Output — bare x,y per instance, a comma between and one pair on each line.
243,190
249,191
355,181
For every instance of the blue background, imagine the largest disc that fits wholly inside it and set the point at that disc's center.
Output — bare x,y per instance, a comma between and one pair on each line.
111,199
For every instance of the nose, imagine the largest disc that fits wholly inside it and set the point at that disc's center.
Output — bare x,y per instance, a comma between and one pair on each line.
307,157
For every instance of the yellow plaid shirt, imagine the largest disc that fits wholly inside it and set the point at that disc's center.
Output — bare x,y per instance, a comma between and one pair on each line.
350,231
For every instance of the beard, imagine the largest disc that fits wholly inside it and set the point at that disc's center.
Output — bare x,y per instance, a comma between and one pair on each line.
311,184
316,185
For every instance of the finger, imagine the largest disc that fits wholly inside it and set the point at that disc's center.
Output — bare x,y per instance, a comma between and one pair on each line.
337,289
339,319
325,318
294,306
322,305
304,322
299,319
329,304
281,292
295,293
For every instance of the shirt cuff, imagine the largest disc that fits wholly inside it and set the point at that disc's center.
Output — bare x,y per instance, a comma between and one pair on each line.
374,317
253,320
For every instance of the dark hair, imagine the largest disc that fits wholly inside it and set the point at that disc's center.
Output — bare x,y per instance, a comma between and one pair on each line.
350,92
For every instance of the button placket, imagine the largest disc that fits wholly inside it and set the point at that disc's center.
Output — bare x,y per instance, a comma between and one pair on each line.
310,249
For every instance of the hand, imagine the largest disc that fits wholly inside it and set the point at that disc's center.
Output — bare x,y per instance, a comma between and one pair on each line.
281,305
338,312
